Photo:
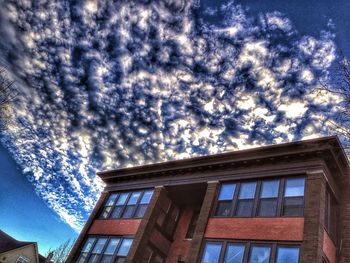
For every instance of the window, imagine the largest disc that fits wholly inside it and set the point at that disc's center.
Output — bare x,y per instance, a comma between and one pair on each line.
331,215
268,198
250,252
168,218
22,259
287,254
153,255
293,202
127,204
265,198
245,203
192,225
211,252
105,249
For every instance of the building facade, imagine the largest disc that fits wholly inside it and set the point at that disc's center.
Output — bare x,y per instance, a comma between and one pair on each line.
283,203
15,251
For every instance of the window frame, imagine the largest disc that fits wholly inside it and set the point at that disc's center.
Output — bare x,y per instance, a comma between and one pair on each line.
257,199
331,213
100,255
125,205
248,244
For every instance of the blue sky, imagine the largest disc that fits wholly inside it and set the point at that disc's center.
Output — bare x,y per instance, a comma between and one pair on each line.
108,84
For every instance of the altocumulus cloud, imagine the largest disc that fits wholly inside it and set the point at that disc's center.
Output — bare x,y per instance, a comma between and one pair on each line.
107,84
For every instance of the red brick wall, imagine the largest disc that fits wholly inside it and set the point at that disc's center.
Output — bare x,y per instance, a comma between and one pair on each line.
280,229
181,246
329,248
160,241
121,227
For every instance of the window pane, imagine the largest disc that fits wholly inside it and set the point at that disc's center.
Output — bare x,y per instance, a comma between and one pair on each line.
294,187
244,208
141,211
93,258
82,258
117,212
107,259
269,189
268,207
88,244
211,253
106,211
112,245
129,211
223,209
120,260
125,246
247,190
227,191
122,198
111,199
99,245
287,255
234,253
146,197
293,206
259,254
134,198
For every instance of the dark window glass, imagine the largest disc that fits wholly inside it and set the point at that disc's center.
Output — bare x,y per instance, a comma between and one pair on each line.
192,226
223,208
117,212
259,254
245,208
211,252
234,253
293,206
129,211
287,255
268,207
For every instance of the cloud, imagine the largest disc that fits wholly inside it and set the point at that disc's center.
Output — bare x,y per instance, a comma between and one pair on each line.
111,84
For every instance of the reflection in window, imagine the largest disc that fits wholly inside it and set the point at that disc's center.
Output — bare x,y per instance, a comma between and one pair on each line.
105,249
268,198
259,254
234,253
250,252
293,204
225,199
246,197
211,252
127,204
287,254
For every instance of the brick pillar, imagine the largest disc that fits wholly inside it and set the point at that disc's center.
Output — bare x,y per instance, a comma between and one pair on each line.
314,214
343,227
146,226
208,202
79,242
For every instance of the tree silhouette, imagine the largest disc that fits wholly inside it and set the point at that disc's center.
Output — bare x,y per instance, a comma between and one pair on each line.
7,95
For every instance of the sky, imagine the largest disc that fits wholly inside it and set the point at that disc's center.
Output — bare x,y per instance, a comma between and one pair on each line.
111,84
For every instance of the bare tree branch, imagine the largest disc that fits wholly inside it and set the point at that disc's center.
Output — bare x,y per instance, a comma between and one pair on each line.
7,96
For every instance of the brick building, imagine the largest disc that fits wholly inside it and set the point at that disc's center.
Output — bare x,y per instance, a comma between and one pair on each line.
283,203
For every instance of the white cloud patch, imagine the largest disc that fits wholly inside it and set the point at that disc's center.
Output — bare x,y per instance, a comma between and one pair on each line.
108,85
